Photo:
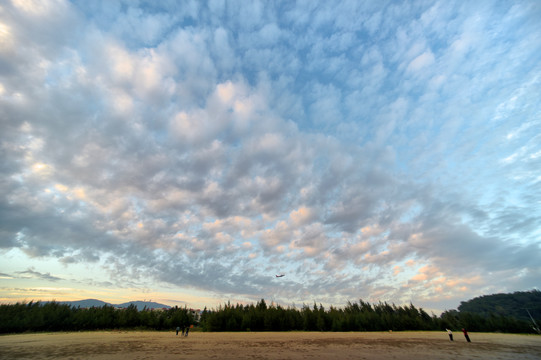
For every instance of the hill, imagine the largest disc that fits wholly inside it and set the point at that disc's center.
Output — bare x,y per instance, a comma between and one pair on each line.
508,305
143,304
140,305
87,303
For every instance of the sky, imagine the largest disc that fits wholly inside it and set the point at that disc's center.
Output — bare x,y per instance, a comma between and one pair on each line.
186,152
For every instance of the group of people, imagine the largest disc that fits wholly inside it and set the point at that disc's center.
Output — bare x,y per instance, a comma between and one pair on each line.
463,330
185,330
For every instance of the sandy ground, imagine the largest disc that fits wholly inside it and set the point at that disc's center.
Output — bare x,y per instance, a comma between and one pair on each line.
276,345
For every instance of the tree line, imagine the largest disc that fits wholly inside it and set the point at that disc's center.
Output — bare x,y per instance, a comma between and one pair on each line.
53,316
361,316
357,316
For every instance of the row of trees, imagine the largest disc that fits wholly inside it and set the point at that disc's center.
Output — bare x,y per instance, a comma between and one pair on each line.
52,316
360,316
353,317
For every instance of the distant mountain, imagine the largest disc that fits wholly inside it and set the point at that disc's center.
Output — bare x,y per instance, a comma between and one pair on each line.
516,305
88,303
142,304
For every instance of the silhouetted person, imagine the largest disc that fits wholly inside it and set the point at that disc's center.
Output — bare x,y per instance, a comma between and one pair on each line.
450,334
187,330
178,328
466,335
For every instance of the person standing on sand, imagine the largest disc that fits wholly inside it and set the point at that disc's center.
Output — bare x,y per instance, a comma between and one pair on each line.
450,334
187,329
466,335
178,328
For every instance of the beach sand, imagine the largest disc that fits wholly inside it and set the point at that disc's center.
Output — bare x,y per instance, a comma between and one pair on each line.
273,345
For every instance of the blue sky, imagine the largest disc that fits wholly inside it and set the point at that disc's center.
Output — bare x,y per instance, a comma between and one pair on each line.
186,152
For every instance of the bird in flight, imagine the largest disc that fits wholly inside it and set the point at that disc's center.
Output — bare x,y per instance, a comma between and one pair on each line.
281,275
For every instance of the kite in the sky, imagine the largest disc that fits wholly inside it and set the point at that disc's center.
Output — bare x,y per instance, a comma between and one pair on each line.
281,275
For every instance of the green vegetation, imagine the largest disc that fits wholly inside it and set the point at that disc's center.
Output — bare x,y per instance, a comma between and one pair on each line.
516,305
354,317
495,313
360,316
52,316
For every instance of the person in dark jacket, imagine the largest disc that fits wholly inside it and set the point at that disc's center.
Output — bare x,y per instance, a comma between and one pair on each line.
466,335
450,334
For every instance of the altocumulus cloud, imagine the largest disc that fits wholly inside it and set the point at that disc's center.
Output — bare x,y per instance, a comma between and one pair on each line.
385,152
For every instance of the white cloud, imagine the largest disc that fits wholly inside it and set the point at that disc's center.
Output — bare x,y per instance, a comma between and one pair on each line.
206,148
421,62
269,35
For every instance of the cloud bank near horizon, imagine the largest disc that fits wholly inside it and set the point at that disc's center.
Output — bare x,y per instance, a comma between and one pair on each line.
385,152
